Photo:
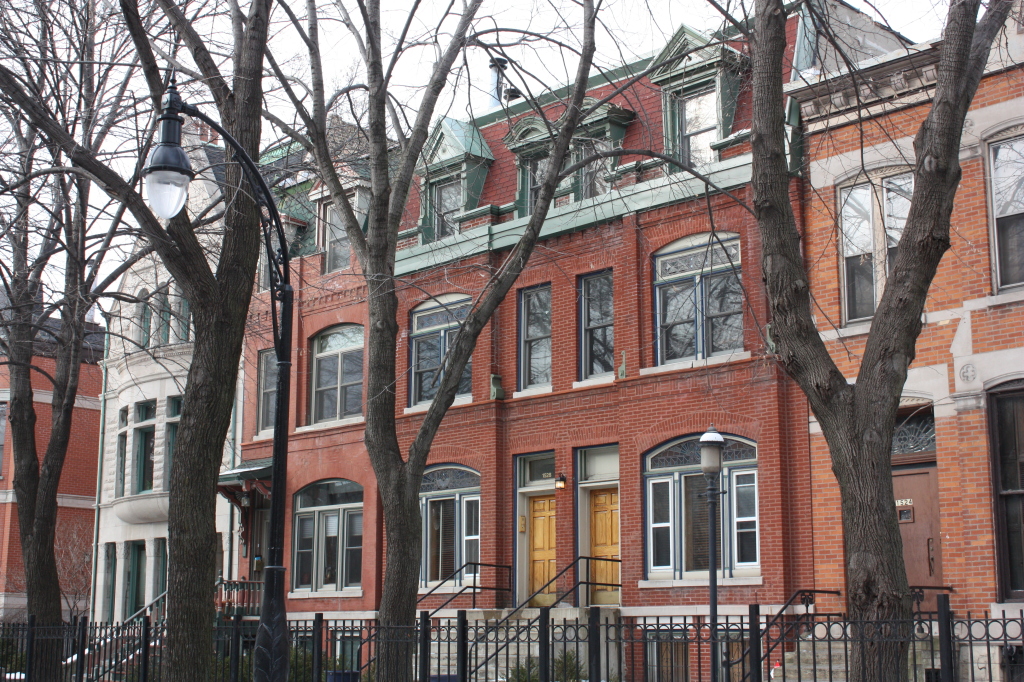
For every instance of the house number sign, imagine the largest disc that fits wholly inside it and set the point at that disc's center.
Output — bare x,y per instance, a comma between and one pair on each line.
905,503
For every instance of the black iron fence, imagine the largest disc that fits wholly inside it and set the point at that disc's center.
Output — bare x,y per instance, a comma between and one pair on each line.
552,645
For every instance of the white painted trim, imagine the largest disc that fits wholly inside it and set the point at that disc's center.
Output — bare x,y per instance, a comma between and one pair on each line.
533,390
73,501
855,329
263,435
595,381
327,594
85,402
696,364
689,582
333,615
703,610
422,407
347,421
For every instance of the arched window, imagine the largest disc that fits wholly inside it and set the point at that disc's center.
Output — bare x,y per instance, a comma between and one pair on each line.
677,509
700,300
338,373
328,544
184,319
434,326
145,319
450,499
163,324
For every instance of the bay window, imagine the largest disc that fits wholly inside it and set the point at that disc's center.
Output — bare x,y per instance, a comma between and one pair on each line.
677,511
328,544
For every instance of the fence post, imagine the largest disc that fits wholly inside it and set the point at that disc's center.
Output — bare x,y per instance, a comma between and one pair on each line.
318,646
594,643
945,639
754,637
544,644
424,646
235,651
83,639
144,668
462,646
30,648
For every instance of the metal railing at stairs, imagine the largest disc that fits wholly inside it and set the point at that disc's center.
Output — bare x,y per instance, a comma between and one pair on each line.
238,597
574,589
806,598
470,581
156,609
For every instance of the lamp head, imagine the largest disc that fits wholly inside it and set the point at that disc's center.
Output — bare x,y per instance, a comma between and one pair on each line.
168,169
711,446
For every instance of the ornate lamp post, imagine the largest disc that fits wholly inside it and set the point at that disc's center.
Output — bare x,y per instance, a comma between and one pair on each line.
166,177
711,445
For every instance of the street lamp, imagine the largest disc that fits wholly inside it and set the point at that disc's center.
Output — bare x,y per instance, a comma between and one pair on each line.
166,176
711,445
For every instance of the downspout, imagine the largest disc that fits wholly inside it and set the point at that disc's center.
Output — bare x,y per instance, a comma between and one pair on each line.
99,474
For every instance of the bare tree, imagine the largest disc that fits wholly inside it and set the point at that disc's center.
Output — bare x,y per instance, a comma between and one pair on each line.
858,419
218,289
61,250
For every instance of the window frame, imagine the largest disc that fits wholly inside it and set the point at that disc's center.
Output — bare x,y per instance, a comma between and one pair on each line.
461,498
683,148
437,219
143,455
343,570
340,387
1006,591
526,342
586,329
267,356
882,255
1007,138
121,453
331,240
701,338
173,408
446,333
679,512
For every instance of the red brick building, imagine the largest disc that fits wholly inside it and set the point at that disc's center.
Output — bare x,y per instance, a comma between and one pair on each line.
640,321
77,491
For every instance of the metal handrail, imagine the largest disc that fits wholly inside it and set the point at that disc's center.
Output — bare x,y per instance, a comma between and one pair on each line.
475,586
147,608
524,604
806,598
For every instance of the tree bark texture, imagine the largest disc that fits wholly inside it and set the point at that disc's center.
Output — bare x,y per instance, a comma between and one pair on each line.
858,419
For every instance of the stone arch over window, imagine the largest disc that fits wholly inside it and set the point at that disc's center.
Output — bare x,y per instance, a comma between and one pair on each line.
327,549
337,373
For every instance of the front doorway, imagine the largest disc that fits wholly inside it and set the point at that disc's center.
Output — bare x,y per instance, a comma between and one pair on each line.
917,508
604,544
542,549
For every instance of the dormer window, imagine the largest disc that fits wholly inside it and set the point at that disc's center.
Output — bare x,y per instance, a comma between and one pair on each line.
697,122
338,248
446,203
536,171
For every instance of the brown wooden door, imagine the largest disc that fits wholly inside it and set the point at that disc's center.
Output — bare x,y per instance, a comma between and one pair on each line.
917,508
542,548
604,544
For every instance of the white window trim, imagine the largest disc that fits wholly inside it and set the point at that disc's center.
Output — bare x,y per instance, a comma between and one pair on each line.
460,496
533,390
523,360
261,391
585,331
338,353
423,407
330,424
343,511
990,200
434,304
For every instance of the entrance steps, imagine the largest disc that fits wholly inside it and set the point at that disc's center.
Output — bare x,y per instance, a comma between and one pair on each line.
820,658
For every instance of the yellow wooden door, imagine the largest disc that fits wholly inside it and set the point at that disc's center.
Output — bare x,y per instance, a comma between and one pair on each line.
542,548
604,544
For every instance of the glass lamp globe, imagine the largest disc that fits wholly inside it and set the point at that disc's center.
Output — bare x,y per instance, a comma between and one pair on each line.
711,445
166,192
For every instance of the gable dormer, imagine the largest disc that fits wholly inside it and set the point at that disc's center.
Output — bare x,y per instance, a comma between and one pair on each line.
455,162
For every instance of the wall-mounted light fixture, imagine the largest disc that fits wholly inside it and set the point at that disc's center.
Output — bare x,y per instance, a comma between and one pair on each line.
560,481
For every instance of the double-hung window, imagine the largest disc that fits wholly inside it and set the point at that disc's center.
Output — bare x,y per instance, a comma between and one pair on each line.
435,325
145,443
536,171
677,510
339,252
593,177
697,128
872,216
267,398
699,298
447,201
535,336
145,320
121,461
174,404
338,373
1008,207
328,544
450,499
597,325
